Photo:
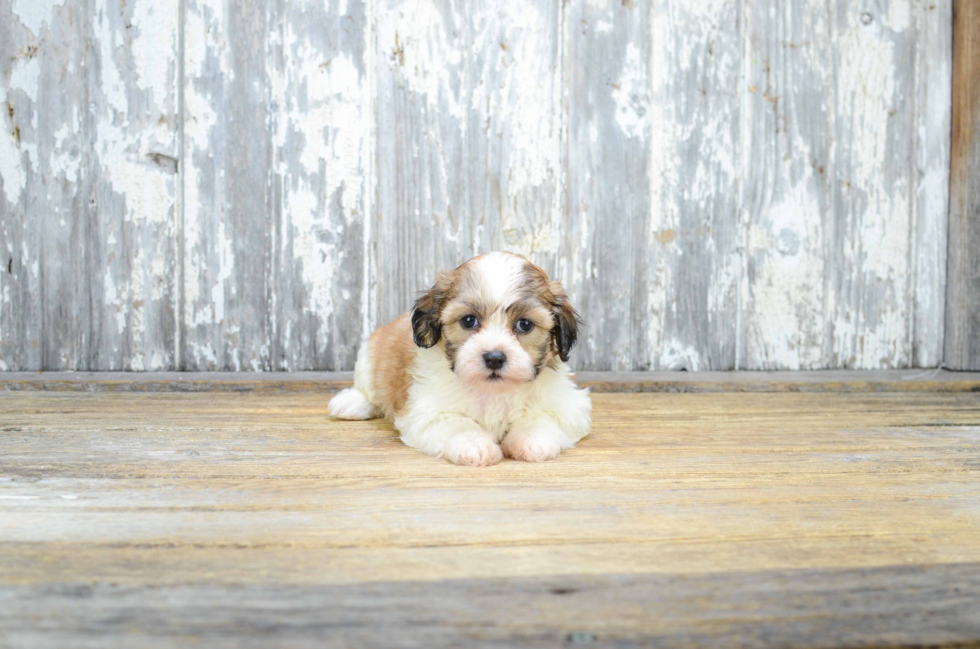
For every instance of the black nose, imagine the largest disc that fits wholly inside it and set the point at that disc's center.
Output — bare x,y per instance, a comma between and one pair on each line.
494,360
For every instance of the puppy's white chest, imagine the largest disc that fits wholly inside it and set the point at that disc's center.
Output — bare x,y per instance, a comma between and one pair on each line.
495,412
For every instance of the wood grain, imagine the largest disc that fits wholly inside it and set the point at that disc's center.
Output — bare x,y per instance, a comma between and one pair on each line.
228,194
607,156
686,311
467,139
963,287
930,217
872,183
322,120
88,163
891,606
730,184
828,285
684,519
788,207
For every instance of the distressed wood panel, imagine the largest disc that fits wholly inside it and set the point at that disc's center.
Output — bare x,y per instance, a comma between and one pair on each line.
872,184
933,80
276,141
468,130
843,215
963,288
228,197
322,124
727,184
787,195
88,170
606,155
652,163
686,309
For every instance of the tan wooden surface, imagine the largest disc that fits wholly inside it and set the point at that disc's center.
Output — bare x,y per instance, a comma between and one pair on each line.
223,519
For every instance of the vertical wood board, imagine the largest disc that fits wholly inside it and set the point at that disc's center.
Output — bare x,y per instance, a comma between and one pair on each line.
88,164
467,139
962,343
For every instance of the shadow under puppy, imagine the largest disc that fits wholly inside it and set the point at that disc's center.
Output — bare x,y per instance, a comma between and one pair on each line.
477,369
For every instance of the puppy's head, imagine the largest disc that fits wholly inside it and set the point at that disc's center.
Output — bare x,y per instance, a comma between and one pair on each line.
498,319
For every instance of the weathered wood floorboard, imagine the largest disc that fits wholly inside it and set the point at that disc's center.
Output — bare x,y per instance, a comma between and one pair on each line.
932,606
763,520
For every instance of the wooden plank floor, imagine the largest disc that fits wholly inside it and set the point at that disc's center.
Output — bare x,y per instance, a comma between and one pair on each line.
684,520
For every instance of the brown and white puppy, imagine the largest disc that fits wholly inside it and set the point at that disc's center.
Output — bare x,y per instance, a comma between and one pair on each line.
477,369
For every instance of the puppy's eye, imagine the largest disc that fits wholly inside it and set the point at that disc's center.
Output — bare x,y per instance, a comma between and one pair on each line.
468,322
524,325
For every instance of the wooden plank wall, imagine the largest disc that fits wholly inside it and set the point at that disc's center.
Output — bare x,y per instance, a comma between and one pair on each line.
963,289
222,185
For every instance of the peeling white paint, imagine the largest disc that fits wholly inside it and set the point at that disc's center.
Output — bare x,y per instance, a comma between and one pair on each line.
786,283
24,82
485,86
678,356
631,94
34,14
154,27
11,169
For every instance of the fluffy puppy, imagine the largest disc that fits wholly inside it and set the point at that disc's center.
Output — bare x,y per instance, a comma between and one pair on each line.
477,369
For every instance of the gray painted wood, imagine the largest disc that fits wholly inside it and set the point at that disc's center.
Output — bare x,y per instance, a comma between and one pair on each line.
730,184
322,103
228,197
88,154
468,131
963,289
788,209
606,158
869,245
689,301
933,80
846,211
277,137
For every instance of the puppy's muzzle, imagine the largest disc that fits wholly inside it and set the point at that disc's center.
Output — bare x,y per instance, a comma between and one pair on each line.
494,360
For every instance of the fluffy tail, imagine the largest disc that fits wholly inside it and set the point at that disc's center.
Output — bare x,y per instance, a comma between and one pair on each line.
352,404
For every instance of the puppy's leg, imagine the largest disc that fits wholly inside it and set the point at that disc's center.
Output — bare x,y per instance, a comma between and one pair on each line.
564,417
351,404
458,439
535,440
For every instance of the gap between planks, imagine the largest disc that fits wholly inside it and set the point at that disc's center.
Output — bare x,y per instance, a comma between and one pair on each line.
851,381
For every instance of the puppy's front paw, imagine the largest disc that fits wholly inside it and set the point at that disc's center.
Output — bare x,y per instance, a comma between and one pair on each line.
531,446
472,449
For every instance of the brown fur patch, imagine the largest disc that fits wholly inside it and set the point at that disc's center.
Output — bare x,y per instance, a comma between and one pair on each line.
392,352
564,330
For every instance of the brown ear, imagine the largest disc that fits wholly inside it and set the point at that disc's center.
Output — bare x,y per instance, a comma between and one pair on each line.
565,331
426,327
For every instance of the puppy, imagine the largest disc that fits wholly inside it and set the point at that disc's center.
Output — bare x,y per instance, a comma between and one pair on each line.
477,369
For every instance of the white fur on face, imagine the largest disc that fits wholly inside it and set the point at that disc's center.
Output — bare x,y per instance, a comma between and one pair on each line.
499,278
494,336
499,274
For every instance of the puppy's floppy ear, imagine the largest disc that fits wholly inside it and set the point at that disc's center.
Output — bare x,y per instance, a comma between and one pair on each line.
565,331
426,327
